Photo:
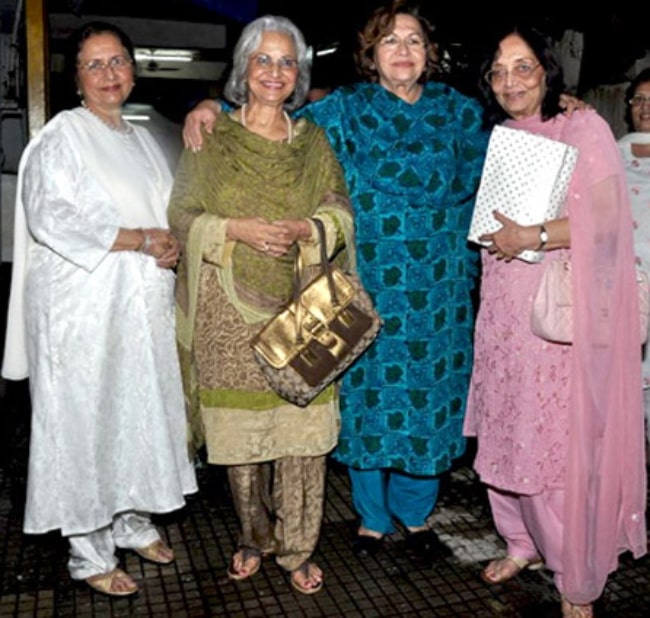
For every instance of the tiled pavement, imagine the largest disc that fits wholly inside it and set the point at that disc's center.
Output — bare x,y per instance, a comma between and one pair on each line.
34,579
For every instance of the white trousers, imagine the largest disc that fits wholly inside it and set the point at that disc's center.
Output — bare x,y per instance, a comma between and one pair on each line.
94,553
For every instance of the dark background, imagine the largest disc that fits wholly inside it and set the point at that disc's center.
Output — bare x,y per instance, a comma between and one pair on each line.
613,39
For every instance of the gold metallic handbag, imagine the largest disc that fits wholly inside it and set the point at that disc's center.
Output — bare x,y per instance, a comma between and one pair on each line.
322,331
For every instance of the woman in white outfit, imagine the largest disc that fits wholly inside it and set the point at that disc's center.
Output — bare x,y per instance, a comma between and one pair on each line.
91,323
635,148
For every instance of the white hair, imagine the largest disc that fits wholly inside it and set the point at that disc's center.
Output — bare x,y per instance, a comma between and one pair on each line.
236,89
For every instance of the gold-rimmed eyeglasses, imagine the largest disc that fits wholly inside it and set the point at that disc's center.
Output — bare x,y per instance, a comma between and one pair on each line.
116,63
264,61
522,70
638,100
392,41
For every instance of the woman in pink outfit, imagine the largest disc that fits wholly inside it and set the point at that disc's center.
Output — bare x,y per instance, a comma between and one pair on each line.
560,427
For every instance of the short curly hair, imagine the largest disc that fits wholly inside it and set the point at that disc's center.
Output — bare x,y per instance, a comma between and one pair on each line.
381,24
236,88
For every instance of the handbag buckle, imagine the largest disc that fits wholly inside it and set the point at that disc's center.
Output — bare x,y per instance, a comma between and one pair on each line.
334,344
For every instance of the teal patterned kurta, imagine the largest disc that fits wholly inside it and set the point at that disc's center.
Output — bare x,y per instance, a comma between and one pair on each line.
412,170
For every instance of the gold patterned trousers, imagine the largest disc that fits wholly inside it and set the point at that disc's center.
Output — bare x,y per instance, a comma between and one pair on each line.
280,506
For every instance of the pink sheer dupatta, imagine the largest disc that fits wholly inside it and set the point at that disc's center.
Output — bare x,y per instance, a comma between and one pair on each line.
606,476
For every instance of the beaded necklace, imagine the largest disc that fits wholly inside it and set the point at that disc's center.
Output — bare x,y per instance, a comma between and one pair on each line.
124,128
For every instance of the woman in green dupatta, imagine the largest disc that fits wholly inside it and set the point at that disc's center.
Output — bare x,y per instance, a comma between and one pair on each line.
242,209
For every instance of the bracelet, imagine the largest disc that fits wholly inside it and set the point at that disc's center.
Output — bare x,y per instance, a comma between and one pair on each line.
543,237
147,241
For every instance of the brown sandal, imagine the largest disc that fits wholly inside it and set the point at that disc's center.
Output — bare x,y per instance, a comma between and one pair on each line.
104,583
311,582
247,554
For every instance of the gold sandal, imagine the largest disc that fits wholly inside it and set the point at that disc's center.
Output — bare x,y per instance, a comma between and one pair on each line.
507,568
571,610
158,552
104,583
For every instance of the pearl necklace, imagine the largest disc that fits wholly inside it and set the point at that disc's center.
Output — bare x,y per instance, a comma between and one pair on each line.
124,128
286,117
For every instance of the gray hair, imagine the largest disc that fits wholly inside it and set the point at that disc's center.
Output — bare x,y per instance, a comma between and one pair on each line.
236,89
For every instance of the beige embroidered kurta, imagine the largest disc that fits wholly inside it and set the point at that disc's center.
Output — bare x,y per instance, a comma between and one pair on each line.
227,290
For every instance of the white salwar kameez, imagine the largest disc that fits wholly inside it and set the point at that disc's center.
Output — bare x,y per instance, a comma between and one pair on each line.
637,171
94,330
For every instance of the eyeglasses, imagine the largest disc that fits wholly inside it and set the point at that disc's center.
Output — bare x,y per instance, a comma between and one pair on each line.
523,70
263,61
392,41
638,100
116,63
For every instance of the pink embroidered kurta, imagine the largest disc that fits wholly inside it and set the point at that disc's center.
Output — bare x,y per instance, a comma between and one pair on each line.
569,417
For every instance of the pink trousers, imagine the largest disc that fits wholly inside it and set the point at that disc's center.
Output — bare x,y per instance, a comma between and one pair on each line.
531,526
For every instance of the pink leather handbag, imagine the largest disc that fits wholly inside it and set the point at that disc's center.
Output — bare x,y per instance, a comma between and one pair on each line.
552,314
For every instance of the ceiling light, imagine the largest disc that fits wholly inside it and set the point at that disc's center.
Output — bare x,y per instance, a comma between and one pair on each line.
164,55
326,51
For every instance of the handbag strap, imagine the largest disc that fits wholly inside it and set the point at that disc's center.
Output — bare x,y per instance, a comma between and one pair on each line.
326,269
326,266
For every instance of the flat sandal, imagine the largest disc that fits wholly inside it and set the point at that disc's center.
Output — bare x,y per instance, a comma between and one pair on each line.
103,583
519,565
247,553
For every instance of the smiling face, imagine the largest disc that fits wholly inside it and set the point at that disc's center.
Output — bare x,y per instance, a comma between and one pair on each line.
105,87
518,79
272,70
641,112
400,56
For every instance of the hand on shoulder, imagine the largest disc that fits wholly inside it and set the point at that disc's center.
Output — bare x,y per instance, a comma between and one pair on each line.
203,116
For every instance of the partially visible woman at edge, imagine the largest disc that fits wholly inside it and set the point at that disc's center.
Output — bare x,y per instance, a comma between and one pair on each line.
91,323
243,207
559,427
412,150
635,149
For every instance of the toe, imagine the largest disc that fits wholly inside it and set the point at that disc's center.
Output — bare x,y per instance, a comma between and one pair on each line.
122,582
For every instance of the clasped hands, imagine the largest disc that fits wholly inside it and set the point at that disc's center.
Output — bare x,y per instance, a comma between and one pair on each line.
162,245
273,238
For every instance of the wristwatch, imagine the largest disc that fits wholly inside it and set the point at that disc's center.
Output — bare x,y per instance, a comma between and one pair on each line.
543,237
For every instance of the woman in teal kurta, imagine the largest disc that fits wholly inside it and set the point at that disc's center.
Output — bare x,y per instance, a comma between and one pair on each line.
412,153
411,168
